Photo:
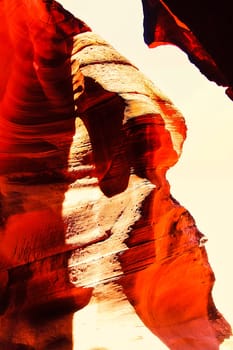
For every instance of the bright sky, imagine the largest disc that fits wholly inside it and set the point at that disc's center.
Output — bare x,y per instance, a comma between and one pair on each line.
203,179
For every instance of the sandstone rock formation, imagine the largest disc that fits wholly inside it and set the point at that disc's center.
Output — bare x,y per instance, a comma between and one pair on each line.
87,218
202,29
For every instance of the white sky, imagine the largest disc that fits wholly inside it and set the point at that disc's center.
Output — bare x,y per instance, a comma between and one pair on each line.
203,179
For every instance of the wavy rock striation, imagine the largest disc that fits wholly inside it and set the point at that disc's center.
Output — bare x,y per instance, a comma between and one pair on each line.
87,218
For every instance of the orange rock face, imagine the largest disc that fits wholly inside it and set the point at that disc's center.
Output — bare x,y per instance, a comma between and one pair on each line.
87,218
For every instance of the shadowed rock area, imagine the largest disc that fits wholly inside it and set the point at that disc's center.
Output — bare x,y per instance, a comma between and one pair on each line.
89,229
203,29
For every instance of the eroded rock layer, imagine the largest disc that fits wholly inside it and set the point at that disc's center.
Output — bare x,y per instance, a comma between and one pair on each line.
87,218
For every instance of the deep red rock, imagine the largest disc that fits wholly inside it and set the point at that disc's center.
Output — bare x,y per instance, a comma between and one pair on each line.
202,29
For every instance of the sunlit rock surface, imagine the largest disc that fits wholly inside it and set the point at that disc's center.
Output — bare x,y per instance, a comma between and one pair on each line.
89,230
202,29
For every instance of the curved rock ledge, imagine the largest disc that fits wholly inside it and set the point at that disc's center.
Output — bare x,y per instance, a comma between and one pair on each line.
201,29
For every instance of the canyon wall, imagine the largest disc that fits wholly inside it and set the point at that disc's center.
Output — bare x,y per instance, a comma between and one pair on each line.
87,218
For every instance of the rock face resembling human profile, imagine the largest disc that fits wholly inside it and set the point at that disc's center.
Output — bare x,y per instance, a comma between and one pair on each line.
87,218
